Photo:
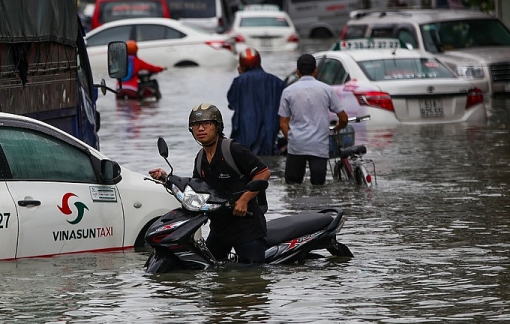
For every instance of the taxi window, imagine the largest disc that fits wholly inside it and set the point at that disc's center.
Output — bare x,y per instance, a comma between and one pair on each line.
36,156
407,38
398,69
385,31
264,22
331,72
354,31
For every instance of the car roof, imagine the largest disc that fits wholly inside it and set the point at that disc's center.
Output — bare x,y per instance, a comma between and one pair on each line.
381,54
419,16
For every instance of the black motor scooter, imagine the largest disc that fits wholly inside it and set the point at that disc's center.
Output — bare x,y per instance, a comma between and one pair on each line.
178,244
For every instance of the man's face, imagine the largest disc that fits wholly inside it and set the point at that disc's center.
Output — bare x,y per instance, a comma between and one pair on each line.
204,132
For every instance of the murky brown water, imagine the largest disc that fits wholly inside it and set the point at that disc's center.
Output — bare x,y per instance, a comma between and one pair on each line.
431,241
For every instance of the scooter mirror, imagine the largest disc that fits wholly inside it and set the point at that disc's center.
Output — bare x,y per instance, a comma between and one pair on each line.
162,147
257,185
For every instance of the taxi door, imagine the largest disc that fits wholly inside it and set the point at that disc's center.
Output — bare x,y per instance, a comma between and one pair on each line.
8,224
58,217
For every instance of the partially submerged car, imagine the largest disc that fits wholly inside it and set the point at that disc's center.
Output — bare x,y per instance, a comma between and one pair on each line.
397,86
473,44
265,28
163,42
58,195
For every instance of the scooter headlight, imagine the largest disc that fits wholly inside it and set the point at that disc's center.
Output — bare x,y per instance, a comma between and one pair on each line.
192,200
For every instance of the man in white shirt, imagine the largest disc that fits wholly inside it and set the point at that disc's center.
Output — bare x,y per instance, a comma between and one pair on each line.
304,120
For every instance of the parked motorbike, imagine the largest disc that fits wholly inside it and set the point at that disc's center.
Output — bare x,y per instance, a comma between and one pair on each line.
178,244
147,86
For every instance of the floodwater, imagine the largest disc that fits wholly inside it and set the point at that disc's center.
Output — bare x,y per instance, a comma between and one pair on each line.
431,240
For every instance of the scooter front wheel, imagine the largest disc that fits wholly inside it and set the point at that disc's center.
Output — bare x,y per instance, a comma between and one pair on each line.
157,263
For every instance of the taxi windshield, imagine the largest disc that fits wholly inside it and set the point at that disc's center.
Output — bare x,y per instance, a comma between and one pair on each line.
408,68
451,35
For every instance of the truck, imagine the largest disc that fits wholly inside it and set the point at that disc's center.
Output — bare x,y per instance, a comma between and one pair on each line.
44,68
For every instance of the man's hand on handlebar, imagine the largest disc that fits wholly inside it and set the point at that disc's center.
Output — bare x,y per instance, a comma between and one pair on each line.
158,174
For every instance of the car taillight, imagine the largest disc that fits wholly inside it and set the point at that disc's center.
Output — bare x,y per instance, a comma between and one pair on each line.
293,39
375,99
220,45
475,96
239,39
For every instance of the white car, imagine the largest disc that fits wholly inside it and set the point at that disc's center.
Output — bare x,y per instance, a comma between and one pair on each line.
473,44
58,195
396,85
164,42
264,29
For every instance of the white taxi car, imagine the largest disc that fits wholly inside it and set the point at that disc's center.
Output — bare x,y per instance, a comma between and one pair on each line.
264,28
59,195
164,42
394,85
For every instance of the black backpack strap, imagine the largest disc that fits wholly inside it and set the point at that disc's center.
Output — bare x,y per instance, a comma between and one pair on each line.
227,155
198,162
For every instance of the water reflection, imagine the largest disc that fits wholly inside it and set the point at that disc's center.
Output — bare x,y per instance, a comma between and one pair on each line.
430,241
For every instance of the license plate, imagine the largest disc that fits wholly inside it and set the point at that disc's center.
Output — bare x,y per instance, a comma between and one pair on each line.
431,108
266,42
369,43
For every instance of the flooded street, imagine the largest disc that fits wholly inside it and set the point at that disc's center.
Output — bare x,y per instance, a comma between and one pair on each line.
431,241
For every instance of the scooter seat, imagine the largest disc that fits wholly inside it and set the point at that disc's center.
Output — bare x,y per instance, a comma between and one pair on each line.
287,228
353,150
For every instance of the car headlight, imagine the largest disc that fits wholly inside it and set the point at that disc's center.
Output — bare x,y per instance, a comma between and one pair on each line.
192,200
470,72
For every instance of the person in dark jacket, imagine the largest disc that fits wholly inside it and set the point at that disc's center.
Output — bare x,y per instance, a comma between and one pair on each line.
246,234
254,96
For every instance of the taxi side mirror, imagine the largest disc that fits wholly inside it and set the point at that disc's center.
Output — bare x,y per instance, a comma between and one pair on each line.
110,172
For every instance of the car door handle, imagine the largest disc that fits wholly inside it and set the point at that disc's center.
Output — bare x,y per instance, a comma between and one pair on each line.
26,203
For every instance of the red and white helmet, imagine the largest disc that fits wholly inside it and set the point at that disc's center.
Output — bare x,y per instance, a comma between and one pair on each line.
249,59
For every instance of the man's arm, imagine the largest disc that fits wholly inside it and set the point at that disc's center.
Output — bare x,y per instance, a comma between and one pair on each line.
284,126
343,119
241,205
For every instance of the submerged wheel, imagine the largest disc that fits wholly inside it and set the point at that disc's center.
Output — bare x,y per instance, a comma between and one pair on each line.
336,170
340,249
362,176
339,171
358,175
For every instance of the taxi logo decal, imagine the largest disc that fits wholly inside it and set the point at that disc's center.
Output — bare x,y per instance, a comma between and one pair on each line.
66,210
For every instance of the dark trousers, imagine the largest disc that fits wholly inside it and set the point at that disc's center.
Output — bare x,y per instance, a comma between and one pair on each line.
295,168
248,252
